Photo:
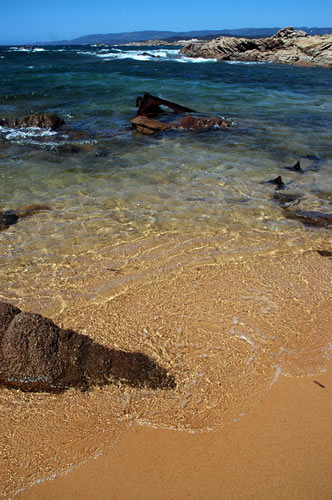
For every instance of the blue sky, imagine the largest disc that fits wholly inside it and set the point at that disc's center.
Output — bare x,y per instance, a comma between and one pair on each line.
28,21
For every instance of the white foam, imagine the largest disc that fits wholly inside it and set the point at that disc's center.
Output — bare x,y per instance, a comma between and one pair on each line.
195,60
145,55
25,133
248,63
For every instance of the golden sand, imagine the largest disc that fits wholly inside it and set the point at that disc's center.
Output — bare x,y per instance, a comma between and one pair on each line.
225,325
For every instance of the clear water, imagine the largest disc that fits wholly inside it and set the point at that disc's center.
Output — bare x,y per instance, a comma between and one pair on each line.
119,184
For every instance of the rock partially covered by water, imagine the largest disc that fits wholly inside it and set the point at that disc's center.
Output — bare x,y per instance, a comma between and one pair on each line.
10,217
45,120
148,126
37,355
203,123
149,109
309,217
287,46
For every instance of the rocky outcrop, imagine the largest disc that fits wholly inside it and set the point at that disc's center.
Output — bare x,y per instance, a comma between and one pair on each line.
287,46
37,355
149,109
45,120
10,217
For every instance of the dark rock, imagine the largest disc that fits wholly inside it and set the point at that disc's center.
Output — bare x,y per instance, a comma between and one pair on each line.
149,105
7,313
37,355
44,120
7,219
309,218
10,217
325,253
278,182
314,158
296,168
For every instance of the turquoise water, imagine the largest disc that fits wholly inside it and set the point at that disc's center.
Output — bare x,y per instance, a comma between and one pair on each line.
104,183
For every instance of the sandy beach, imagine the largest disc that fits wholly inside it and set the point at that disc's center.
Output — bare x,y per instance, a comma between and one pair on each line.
248,341
282,448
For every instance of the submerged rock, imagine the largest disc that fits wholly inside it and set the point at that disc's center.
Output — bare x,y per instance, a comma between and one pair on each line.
148,126
309,218
203,123
45,120
296,168
278,182
37,355
287,46
287,199
10,217
7,219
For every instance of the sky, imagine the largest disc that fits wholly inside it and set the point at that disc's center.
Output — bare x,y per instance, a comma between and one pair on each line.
29,21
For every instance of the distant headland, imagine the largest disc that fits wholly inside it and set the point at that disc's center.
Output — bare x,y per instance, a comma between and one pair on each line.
175,36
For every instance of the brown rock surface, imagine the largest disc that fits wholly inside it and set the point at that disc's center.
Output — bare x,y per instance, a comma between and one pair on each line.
44,120
147,125
287,46
37,355
202,123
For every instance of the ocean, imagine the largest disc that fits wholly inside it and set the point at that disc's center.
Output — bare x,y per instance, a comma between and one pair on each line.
174,245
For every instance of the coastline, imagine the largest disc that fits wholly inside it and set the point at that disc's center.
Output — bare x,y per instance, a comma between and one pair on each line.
281,448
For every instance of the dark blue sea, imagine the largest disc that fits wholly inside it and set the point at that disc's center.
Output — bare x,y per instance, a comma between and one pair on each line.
174,245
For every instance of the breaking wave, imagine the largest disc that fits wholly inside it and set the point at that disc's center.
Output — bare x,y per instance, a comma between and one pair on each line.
144,55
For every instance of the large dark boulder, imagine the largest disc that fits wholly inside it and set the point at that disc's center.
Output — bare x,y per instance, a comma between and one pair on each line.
37,355
45,120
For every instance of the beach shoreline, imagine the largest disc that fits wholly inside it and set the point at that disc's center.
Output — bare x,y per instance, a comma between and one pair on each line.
281,448
248,342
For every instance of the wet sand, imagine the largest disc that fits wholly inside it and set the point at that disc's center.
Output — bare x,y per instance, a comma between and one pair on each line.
282,448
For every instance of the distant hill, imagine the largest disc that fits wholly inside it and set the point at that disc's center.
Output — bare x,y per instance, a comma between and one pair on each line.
171,36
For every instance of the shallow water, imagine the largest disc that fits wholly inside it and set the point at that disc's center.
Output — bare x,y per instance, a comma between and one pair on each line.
171,245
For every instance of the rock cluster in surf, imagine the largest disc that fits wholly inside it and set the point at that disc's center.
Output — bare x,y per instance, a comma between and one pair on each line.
45,120
149,109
